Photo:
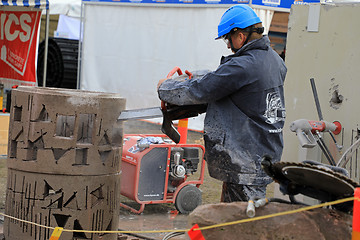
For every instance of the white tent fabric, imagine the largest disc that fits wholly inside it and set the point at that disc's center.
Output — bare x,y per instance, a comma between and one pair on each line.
266,16
68,27
70,8
127,48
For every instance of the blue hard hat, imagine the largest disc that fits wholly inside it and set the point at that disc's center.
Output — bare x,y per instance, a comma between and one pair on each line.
238,16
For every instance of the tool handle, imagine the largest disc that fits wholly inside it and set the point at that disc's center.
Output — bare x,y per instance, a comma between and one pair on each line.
189,74
317,126
261,202
178,70
250,210
173,71
323,126
306,138
303,129
306,128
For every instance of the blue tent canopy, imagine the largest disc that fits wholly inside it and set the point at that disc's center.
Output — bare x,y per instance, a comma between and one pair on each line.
43,4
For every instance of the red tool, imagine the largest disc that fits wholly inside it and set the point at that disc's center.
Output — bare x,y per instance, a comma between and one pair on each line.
169,112
183,123
308,133
306,128
160,172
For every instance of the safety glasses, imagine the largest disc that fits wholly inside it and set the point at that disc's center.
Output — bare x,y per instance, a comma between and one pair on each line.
225,38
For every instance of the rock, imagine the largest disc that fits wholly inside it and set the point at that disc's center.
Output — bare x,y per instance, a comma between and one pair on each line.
320,223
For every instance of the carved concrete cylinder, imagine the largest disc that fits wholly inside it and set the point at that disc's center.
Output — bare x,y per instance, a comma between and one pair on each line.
63,163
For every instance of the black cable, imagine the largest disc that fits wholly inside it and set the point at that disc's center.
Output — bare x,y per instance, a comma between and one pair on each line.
172,234
136,235
279,200
325,150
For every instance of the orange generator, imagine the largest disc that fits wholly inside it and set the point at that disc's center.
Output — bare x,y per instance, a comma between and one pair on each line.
157,170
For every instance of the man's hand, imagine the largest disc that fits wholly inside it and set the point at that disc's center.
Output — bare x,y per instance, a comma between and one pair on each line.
161,81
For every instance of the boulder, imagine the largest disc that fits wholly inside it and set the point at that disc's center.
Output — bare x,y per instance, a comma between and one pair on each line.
320,223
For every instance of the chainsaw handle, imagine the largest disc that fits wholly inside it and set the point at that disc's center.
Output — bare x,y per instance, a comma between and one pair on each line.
173,71
178,70
189,74
170,74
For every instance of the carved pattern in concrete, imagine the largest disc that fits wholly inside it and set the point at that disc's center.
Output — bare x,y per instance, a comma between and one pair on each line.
64,156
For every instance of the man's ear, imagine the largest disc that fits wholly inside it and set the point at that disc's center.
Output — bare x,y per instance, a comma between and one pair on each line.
242,38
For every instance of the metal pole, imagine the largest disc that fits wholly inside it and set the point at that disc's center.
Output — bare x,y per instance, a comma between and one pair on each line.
46,46
82,20
316,98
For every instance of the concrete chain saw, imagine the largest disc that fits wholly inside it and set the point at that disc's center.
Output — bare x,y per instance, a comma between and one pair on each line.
169,112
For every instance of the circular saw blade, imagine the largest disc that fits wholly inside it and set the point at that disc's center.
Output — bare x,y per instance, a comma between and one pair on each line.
315,181
319,178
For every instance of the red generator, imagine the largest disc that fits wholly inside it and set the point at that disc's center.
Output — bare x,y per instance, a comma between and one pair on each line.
156,170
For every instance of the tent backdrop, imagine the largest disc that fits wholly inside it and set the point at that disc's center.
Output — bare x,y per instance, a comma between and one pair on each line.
70,8
128,45
127,48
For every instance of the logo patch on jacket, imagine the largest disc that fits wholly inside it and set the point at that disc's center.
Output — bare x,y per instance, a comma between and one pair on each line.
275,111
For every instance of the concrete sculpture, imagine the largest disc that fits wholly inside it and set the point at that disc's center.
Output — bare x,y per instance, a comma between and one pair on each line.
63,162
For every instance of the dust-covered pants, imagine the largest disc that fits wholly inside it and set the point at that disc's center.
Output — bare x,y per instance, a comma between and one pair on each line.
232,192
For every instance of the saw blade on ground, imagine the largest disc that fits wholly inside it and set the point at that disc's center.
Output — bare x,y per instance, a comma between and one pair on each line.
314,176
318,179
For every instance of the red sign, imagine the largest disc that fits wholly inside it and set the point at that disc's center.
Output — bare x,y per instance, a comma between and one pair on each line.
18,43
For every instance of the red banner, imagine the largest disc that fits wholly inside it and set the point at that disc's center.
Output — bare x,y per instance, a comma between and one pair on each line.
18,44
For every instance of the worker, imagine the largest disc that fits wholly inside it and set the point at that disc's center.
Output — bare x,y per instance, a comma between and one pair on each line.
245,106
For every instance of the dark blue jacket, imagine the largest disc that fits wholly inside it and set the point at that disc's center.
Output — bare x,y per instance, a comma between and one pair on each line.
245,114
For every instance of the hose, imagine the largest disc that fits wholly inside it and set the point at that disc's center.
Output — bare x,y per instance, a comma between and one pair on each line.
172,234
252,204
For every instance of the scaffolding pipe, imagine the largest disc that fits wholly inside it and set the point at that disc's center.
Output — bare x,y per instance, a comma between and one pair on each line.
46,46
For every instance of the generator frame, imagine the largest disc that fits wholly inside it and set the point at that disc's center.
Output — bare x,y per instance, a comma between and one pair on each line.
135,166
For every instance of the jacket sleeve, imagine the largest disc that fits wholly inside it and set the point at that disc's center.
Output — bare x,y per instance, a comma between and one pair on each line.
227,79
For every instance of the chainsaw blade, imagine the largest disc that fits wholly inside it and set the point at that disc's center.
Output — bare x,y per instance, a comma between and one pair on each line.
143,113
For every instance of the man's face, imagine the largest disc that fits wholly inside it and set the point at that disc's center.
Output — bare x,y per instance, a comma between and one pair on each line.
237,39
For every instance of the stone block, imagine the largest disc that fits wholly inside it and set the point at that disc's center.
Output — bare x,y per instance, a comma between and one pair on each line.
318,223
